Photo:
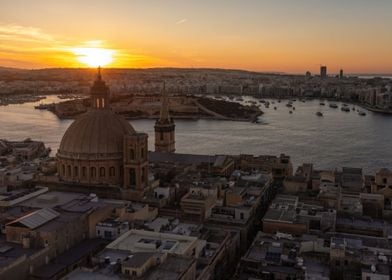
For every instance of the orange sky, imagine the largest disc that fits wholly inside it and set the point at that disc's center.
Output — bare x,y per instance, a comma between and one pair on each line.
263,35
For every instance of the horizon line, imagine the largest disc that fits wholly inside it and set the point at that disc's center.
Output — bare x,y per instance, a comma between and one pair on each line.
194,68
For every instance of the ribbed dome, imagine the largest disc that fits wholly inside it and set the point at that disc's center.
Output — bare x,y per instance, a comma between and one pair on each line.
95,133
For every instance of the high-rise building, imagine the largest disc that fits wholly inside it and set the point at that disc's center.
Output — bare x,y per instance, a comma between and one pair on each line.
323,72
165,128
341,76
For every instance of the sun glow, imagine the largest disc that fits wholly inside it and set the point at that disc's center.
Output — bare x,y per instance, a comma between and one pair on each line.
93,56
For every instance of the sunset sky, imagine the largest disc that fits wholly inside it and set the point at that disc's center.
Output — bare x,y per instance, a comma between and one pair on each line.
264,35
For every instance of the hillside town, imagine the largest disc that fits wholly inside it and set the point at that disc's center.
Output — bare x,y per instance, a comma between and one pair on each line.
374,93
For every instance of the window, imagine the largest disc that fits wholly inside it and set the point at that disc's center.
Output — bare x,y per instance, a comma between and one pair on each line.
102,172
142,153
131,154
161,136
384,181
107,234
69,171
93,172
76,171
84,171
132,177
112,171
143,174
242,215
63,170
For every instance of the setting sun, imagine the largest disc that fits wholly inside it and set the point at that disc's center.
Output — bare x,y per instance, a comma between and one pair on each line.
94,57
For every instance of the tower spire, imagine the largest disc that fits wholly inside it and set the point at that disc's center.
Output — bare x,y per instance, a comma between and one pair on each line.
99,76
99,92
165,127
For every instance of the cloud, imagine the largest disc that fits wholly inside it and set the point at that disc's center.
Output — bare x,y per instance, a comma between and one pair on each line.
181,21
23,33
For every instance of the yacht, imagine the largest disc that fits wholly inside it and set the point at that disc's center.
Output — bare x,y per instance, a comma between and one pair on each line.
333,105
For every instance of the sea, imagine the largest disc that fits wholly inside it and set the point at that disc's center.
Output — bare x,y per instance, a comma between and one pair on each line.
337,139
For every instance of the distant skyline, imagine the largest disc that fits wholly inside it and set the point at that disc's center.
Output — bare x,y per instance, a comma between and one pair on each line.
258,35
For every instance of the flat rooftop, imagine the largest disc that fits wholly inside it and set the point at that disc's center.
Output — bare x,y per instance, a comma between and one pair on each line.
149,241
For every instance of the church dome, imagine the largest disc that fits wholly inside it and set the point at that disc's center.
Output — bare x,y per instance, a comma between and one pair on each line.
97,133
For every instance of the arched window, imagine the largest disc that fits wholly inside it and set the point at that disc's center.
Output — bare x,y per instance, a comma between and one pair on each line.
142,153
102,172
131,154
76,171
63,169
69,174
161,135
132,177
84,171
93,172
112,171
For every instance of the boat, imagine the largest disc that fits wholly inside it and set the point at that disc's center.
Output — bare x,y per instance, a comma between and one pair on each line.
278,100
275,108
289,105
262,100
293,108
322,103
353,108
345,105
44,106
291,112
362,113
333,105
345,109
319,114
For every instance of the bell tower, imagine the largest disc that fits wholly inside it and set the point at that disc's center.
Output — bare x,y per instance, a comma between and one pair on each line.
100,93
136,162
165,128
